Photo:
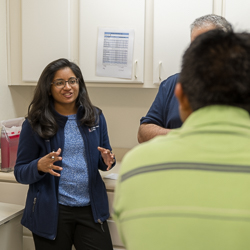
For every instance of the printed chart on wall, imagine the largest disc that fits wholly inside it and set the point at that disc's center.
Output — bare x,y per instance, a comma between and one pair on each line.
115,53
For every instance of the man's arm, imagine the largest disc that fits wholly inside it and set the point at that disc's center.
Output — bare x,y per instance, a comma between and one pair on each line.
163,112
148,131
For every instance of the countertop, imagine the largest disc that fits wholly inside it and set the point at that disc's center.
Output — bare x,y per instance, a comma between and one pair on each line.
9,211
110,183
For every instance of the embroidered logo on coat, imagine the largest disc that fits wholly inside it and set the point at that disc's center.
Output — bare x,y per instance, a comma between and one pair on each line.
93,128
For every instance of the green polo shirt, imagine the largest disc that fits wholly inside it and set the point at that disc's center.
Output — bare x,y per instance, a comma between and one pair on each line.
189,189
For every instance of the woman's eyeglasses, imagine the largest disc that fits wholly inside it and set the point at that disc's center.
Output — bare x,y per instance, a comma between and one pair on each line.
60,84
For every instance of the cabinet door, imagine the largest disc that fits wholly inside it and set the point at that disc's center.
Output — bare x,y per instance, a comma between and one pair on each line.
172,21
114,14
45,35
237,13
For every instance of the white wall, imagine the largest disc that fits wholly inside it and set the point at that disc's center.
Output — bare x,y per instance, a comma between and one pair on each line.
122,107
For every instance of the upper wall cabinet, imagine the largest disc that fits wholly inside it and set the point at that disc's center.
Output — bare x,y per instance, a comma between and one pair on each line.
45,35
237,13
41,31
118,16
171,33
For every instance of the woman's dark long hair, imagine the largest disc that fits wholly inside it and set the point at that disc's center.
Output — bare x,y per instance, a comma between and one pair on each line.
40,111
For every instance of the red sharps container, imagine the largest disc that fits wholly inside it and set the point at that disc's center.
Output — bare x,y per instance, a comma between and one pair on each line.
9,142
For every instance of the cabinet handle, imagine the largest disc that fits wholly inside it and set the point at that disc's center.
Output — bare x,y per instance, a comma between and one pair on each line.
160,64
136,69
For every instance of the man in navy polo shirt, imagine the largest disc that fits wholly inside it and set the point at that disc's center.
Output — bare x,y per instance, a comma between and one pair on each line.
163,115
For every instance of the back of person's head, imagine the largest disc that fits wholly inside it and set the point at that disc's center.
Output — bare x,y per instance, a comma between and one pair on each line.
218,22
216,70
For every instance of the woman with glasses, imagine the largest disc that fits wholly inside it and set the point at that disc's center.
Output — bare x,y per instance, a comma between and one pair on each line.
63,143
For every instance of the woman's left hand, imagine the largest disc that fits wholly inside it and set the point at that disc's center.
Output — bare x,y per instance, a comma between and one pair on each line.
107,156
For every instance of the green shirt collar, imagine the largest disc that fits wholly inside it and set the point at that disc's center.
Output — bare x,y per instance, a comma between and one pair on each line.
218,114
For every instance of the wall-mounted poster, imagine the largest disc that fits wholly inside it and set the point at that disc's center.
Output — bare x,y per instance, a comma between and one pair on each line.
115,53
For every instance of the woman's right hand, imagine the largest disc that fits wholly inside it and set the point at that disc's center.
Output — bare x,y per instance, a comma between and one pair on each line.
45,164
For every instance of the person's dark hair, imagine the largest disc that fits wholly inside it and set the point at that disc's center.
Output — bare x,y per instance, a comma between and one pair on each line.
218,22
216,70
40,112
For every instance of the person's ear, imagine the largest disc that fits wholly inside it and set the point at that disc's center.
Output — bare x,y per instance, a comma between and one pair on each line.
184,106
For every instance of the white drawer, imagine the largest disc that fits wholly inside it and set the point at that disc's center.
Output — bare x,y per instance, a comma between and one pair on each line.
28,243
111,200
27,232
112,227
114,233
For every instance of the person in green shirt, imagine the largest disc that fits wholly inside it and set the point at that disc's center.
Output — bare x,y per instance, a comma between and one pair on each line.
190,189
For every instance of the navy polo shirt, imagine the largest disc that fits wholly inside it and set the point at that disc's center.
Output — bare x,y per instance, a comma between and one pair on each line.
164,111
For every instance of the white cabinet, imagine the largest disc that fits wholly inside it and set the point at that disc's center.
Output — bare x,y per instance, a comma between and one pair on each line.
171,33
11,234
110,186
237,13
15,193
111,14
43,30
46,34
54,29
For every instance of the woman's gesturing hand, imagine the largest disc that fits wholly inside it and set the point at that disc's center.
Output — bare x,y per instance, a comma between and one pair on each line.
45,164
107,156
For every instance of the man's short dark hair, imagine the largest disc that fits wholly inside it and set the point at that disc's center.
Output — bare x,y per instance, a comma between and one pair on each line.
216,70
